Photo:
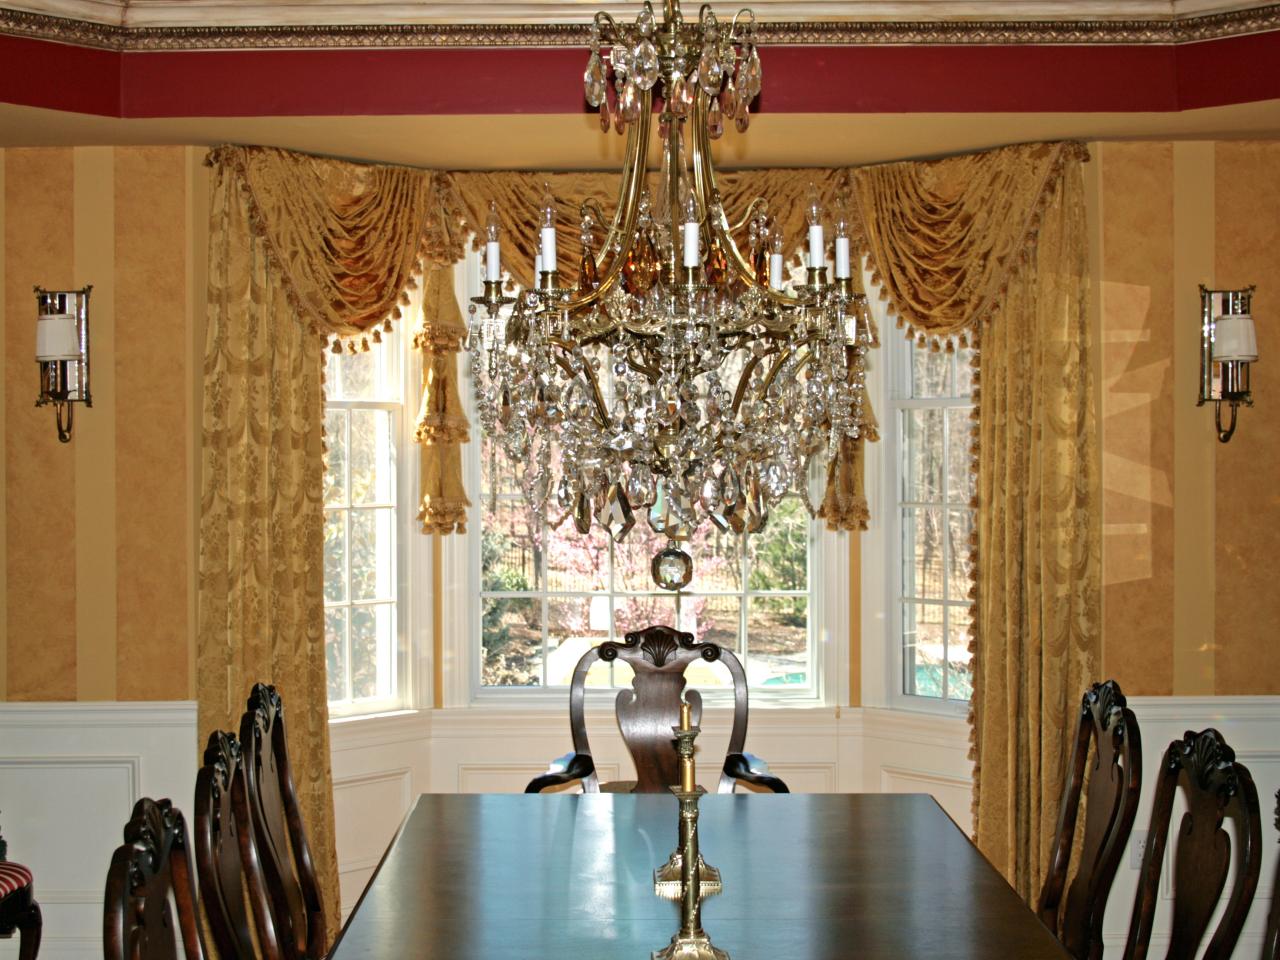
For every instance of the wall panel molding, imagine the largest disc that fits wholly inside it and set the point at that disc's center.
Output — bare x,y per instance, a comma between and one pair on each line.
71,776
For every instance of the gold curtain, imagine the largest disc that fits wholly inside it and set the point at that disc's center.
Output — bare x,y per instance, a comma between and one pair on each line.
518,198
991,248
301,249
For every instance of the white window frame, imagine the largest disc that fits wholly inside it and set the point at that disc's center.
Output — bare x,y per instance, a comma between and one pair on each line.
460,588
413,580
882,561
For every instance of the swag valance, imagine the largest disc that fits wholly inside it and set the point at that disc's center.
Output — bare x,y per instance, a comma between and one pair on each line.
985,250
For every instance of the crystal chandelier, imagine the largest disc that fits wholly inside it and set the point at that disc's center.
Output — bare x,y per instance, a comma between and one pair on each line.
680,375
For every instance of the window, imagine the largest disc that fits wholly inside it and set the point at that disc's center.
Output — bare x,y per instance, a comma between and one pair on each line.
931,396
364,424
547,596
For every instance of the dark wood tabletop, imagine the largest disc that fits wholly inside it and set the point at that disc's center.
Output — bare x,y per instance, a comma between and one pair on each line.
806,877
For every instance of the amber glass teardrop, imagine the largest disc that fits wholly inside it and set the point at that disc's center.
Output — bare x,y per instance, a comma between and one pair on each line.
588,277
640,269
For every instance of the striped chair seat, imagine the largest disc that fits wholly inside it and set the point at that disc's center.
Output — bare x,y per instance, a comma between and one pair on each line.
13,877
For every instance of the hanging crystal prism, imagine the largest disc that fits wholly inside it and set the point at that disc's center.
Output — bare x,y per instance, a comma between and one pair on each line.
715,120
617,517
593,79
676,96
644,65
582,514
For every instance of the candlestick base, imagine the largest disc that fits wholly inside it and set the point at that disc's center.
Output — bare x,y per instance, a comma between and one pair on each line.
698,947
668,884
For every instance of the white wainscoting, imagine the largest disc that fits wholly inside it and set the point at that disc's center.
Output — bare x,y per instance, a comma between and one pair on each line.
1251,725
70,774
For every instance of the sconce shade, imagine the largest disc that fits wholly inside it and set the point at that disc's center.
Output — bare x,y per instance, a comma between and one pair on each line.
62,353
1234,339
56,337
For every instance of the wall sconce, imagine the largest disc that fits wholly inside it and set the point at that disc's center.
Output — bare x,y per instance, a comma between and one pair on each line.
62,351
1228,344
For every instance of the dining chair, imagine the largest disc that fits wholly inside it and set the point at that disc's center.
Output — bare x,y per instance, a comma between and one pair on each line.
279,834
19,911
1271,942
647,711
1108,748
1203,767
146,872
231,882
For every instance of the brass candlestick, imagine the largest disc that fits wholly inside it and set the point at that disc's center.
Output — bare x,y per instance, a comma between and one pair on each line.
668,879
691,941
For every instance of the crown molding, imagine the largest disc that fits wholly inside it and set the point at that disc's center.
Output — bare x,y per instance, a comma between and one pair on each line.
147,25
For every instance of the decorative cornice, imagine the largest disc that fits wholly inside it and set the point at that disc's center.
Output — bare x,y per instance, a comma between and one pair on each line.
829,33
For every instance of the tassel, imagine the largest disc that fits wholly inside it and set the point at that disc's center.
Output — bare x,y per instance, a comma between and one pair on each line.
934,346
951,346
336,346
396,314
364,344
377,335
386,325
352,348
404,298
920,340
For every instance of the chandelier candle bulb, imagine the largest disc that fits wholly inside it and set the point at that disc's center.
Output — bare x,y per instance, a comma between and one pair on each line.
817,247
692,233
492,256
548,234
842,246
775,263
686,716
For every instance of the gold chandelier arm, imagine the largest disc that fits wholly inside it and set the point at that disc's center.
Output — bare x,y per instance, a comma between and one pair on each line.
602,412
627,210
758,205
704,178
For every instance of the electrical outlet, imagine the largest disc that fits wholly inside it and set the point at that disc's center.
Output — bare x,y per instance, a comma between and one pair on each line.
1137,848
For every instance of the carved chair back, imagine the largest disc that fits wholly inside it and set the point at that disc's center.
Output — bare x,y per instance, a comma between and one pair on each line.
659,657
1108,746
278,831
1271,942
1215,787
146,872
227,857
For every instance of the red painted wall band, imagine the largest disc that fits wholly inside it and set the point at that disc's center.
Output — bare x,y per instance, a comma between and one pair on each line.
869,79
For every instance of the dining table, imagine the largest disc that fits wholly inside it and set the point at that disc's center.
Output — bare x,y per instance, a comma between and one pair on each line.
804,877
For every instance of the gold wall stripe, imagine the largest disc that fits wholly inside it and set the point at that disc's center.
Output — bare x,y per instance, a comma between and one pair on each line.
40,498
197,247
1194,439
4,447
1136,302
1094,213
153,511
1247,515
94,439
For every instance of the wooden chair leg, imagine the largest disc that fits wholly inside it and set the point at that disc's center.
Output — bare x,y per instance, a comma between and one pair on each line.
29,927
